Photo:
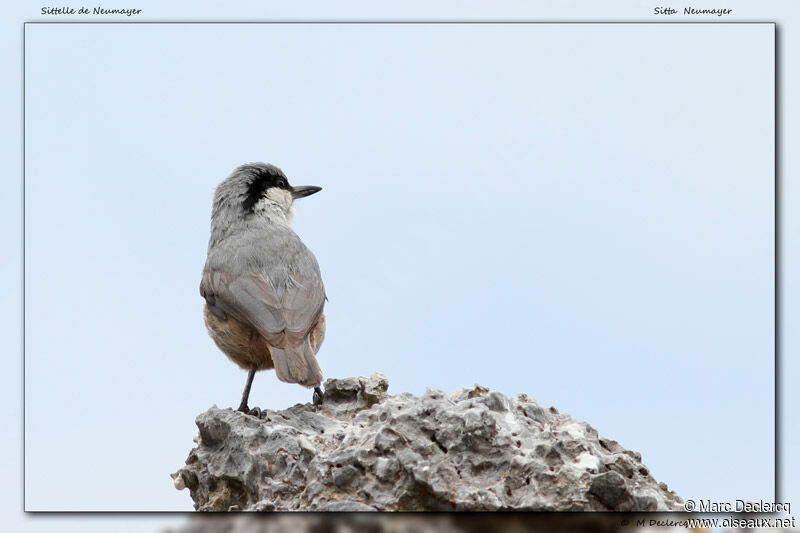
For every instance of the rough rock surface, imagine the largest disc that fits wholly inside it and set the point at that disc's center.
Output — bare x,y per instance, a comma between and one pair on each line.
362,450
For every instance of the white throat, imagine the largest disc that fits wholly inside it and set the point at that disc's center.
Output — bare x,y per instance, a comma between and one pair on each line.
277,206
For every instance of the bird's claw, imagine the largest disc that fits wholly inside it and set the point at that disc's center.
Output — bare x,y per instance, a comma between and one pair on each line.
255,411
318,396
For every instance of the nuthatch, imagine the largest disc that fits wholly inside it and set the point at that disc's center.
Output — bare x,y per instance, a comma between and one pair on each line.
263,289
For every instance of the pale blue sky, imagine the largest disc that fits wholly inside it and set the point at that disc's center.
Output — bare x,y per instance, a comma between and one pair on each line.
579,212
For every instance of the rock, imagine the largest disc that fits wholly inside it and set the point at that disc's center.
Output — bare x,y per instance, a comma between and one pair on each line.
347,506
472,450
611,490
352,522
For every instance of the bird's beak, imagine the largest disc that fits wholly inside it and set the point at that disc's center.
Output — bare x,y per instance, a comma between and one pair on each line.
301,191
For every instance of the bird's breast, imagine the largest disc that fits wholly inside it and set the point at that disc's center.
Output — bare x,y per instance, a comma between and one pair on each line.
239,341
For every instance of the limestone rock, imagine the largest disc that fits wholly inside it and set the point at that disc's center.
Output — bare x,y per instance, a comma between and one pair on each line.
472,450
407,523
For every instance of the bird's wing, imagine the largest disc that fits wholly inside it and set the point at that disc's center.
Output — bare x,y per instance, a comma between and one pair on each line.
302,300
274,286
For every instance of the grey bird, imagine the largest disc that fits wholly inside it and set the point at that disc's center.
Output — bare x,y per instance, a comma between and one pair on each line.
262,286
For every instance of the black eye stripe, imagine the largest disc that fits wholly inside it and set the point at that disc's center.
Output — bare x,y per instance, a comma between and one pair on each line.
262,180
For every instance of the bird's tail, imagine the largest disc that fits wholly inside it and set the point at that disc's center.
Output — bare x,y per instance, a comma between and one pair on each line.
296,363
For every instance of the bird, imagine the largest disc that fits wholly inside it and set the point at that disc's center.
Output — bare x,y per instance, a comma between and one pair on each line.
263,291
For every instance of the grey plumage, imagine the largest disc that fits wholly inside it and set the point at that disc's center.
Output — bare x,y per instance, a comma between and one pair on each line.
261,280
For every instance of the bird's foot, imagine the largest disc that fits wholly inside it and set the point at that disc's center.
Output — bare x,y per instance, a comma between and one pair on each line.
255,411
318,396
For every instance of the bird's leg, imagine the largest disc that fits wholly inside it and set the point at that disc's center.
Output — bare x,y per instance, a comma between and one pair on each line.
246,394
317,399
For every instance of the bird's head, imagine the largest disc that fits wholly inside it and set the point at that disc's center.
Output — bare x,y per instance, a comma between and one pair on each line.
258,189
